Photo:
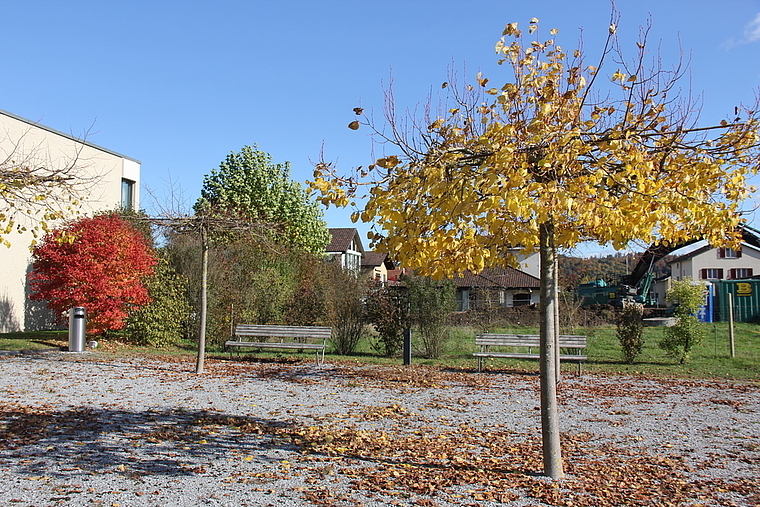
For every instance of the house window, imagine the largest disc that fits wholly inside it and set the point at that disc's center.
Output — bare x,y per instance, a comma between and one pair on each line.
729,253
127,194
521,299
740,273
711,274
463,300
352,261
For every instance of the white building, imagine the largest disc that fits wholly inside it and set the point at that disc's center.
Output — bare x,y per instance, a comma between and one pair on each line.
112,180
700,261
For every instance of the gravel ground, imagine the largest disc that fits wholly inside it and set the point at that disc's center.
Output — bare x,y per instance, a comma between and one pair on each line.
88,429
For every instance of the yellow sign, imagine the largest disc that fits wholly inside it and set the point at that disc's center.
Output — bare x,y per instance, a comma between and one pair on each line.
743,289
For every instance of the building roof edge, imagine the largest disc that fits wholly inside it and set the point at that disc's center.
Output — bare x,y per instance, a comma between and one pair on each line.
68,136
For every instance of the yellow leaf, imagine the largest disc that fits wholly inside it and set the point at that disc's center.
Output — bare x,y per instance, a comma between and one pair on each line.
511,29
618,76
388,162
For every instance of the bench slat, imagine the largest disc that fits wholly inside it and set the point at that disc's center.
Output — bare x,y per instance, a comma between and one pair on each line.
510,340
283,331
275,345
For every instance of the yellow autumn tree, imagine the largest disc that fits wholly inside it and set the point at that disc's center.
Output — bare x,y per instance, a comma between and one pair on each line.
563,152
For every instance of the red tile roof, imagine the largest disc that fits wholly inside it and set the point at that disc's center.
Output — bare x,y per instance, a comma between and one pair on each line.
505,278
341,239
373,259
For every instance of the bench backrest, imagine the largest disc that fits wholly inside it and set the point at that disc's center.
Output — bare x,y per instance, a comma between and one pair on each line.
526,340
322,333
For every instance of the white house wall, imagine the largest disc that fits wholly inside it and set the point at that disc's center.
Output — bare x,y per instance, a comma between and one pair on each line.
101,171
681,270
530,264
660,289
502,298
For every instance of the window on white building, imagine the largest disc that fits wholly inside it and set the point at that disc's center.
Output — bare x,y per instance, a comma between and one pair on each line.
711,274
127,194
729,253
737,273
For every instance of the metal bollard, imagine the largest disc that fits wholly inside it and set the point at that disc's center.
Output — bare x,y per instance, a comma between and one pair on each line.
77,329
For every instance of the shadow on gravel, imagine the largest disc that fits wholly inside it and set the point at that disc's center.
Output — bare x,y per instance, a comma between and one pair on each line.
37,442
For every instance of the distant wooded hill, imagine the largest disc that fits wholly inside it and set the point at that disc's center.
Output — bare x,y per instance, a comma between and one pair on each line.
576,270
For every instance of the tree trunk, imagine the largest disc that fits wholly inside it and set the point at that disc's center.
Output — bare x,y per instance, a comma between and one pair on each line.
548,360
204,294
556,320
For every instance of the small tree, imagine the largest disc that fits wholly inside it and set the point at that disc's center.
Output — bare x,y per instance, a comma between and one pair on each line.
430,304
679,339
164,320
387,308
630,330
99,263
271,289
306,305
345,308
248,283
569,309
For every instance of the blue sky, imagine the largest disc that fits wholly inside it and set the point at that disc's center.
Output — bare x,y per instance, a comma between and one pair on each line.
180,84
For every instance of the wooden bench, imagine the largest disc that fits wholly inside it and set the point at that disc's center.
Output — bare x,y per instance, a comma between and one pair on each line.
297,333
575,344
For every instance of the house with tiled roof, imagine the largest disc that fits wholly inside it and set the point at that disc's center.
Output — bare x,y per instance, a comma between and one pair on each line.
496,287
346,248
377,266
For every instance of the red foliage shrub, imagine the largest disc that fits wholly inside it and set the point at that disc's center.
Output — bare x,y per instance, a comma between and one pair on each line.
98,263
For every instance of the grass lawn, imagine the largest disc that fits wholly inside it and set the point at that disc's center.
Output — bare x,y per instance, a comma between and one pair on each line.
710,359
35,340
